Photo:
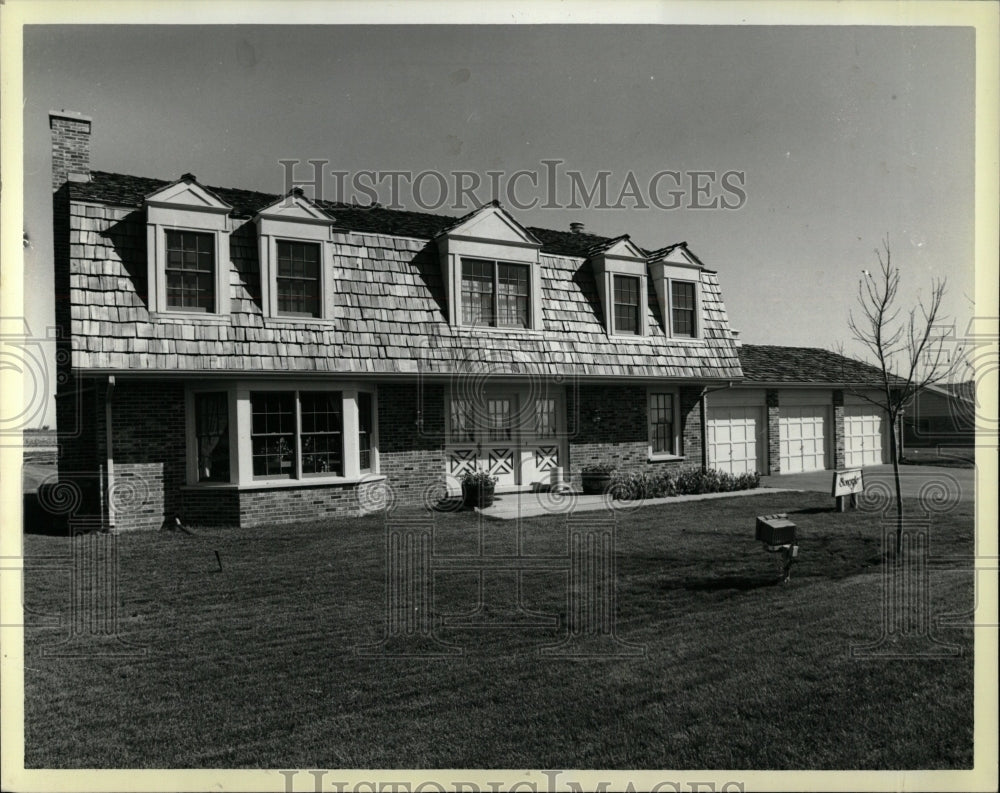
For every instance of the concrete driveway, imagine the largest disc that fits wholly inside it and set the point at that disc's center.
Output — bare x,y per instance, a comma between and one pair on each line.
936,483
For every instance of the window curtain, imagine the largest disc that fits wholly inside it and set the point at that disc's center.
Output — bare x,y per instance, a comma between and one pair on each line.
213,437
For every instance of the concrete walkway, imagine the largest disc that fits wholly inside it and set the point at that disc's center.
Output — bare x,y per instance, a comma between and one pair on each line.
511,506
916,481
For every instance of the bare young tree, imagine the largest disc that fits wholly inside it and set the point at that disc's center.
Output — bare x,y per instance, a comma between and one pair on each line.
910,349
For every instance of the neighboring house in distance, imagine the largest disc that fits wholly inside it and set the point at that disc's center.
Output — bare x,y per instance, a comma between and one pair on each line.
797,409
237,358
942,414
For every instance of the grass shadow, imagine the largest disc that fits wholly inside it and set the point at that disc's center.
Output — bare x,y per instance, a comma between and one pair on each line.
740,583
39,520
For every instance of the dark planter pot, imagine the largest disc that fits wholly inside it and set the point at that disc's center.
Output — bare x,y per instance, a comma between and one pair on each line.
595,483
477,495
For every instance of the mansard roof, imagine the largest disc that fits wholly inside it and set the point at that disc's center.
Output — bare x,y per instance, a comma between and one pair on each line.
390,315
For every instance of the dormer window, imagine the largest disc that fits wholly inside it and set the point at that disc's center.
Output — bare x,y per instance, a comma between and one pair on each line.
620,275
491,271
626,319
676,274
187,244
296,260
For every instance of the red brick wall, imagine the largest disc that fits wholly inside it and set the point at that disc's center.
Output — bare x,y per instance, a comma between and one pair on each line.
70,148
608,424
773,447
148,446
411,456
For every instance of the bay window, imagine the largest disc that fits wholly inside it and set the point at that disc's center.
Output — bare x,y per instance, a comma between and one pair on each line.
267,434
296,434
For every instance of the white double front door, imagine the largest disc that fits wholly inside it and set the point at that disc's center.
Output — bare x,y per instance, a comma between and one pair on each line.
515,433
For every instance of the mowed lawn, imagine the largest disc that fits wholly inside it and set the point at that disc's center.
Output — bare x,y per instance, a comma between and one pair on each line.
256,665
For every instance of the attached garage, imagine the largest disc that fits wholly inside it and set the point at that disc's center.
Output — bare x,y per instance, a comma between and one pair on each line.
802,438
814,411
735,431
864,436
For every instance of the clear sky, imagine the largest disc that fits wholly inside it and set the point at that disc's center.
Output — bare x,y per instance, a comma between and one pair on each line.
844,134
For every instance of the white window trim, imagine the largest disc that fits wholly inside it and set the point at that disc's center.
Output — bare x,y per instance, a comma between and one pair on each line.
294,219
240,443
156,275
696,334
664,274
186,206
268,252
678,434
453,249
643,308
606,267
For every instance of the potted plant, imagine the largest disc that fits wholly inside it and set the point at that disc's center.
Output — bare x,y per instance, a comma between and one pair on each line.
477,489
597,477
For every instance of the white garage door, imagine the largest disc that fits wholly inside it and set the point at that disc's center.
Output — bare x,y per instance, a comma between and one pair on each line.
802,438
862,436
733,434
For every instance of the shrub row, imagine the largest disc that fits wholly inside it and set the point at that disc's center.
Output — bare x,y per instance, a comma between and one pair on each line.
635,486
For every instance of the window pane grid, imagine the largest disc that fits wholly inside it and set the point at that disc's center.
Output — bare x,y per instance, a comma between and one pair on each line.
322,428
498,414
477,292
545,418
661,419
626,304
298,278
190,270
682,308
512,290
495,294
273,434
462,426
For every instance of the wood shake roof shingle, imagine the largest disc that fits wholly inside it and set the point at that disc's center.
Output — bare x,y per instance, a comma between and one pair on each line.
390,314
775,364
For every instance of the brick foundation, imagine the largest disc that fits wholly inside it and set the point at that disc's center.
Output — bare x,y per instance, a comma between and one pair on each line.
608,424
411,440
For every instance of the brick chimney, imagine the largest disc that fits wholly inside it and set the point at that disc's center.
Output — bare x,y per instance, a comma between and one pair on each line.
576,228
70,147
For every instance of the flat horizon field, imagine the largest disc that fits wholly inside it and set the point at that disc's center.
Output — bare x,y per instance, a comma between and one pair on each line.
261,664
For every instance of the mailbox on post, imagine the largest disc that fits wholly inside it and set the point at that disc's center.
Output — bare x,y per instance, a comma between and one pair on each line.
777,533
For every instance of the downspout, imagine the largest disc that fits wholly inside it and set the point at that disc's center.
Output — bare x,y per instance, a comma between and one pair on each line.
704,421
110,462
